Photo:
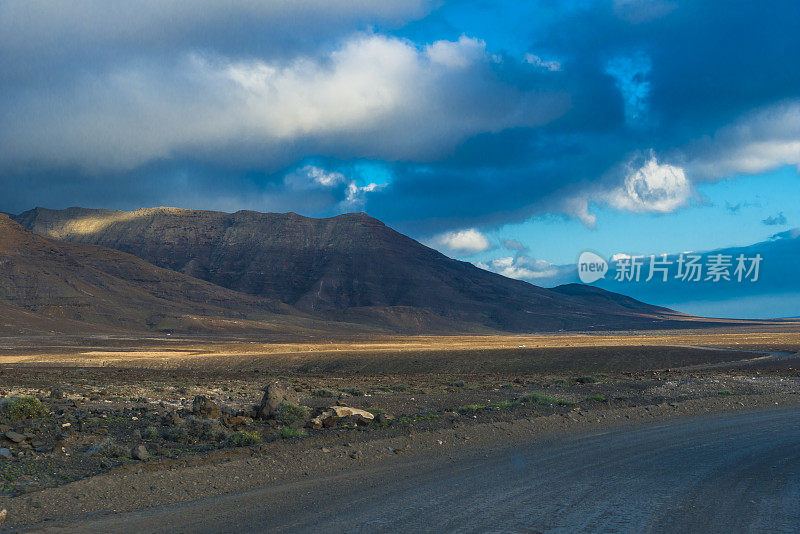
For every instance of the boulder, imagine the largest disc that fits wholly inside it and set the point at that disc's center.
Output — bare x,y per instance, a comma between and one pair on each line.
6,453
346,411
205,408
275,394
330,417
139,453
14,436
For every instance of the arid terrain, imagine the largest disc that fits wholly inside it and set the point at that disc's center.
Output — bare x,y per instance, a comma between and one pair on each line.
99,424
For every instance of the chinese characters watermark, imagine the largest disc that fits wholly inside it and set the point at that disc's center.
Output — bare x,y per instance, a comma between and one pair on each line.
685,267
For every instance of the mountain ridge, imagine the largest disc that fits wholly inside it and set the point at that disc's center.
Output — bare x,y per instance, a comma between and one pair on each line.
343,268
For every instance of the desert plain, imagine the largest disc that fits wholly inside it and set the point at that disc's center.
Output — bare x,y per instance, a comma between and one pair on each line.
132,423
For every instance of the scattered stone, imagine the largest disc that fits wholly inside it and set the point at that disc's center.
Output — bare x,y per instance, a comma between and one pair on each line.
14,436
359,420
324,449
205,408
140,453
274,395
330,417
57,393
3,516
356,455
6,453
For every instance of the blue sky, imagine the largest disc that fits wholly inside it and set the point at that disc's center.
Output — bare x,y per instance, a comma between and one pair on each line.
726,213
511,134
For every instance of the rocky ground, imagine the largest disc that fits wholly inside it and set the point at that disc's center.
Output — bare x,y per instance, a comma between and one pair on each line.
63,425
53,433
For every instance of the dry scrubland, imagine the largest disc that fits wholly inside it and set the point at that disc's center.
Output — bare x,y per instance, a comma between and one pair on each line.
91,424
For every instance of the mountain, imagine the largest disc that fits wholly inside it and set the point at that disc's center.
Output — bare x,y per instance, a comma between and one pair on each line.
349,268
47,285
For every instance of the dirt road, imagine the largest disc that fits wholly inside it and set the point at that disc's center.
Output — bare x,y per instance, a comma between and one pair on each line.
737,472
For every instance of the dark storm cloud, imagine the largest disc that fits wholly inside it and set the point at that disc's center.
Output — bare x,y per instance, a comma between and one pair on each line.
721,88
625,103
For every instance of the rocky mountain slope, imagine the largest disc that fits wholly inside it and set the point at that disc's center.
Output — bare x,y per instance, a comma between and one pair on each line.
347,268
68,287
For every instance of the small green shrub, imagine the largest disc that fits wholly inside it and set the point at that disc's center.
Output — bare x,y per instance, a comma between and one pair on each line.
195,430
354,392
289,414
287,432
150,432
22,408
725,392
245,438
108,449
598,398
324,393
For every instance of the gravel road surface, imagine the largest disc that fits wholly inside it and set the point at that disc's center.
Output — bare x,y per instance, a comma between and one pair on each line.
736,472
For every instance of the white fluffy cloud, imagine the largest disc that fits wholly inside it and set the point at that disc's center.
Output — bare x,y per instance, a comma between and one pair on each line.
754,143
642,185
652,187
310,180
536,61
374,97
469,241
521,267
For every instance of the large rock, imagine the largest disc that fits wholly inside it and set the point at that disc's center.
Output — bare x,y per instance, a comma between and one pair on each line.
6,453
274,395
332,415
205,408
346,411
